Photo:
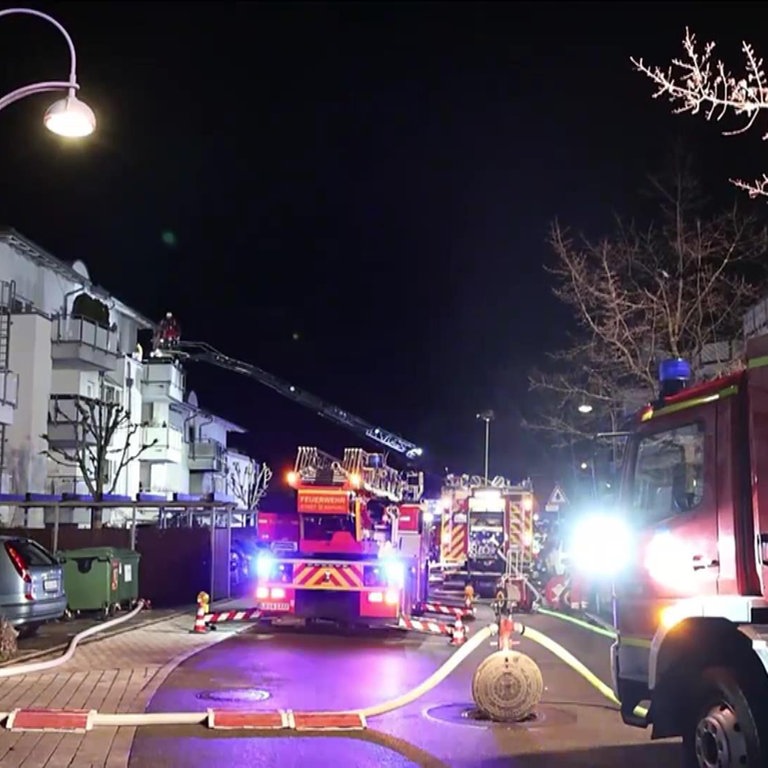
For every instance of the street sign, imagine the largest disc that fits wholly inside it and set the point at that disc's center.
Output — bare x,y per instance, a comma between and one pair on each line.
557,497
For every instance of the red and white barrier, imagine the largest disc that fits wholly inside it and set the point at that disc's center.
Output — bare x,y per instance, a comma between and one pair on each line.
457,611
426,626
252,614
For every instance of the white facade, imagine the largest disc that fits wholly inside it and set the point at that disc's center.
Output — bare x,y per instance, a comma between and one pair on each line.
56,369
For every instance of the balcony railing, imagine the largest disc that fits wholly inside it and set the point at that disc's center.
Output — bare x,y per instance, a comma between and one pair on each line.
72,420
78,330
162,444
206,456
9,388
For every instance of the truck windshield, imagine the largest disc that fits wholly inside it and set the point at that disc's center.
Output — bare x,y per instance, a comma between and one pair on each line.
322,527
669,473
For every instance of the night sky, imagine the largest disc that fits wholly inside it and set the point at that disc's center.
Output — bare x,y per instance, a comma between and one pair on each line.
354,196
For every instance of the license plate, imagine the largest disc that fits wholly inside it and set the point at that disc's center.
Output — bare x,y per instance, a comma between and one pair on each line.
275,606
51,585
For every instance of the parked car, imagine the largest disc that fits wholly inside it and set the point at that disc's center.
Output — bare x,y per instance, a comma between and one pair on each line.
31,585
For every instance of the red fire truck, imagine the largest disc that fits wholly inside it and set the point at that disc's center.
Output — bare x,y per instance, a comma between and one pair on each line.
487,531
359,555
691,613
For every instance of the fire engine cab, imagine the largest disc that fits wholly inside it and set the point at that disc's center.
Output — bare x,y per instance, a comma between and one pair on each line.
359,556
691,656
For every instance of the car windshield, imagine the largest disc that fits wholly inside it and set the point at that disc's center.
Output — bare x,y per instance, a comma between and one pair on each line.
32,553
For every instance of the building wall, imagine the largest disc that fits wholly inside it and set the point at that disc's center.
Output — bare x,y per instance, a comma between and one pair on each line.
43,296
30,358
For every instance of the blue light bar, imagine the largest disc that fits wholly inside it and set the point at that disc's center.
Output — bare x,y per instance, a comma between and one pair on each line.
675,369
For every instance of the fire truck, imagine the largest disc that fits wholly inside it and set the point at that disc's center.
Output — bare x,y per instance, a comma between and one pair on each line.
688,547
359,556
487,531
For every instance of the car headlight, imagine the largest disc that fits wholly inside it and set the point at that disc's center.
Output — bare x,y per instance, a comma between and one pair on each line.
601,545
264,565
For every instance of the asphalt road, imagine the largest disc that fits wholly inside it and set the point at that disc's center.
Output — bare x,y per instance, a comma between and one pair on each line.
267,668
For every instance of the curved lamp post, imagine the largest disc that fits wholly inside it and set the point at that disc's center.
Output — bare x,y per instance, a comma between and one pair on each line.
68,117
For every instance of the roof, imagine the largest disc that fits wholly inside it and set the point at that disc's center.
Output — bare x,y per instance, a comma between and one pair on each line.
40,256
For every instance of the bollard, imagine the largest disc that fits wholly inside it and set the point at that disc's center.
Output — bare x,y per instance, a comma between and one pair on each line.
459,633
203,604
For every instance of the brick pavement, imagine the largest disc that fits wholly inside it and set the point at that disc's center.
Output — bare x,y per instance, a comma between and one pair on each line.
116,674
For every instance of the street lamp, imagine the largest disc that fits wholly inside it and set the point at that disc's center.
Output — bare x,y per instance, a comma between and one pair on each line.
487,417
585,408
68,117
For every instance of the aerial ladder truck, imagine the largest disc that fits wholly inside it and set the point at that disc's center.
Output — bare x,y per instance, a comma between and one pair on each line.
361,552
169,347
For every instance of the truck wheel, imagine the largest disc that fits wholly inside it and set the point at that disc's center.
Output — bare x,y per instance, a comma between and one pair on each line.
726,727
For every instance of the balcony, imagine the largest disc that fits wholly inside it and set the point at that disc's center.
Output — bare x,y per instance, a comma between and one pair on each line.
83,345
203,483
206,456
163,382
9,390
165,445
70,422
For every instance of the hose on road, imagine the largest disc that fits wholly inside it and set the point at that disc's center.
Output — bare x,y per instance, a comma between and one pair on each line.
42,666
435,678
450,665
577,666
597,629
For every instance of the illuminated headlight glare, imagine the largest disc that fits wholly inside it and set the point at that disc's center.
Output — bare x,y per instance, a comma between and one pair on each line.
395,572
601,545
264,566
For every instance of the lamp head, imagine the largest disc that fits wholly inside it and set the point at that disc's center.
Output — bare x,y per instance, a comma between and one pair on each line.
71,118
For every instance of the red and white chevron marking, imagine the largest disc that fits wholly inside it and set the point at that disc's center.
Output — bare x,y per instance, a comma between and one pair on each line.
448,610
56,720
252,614
429,627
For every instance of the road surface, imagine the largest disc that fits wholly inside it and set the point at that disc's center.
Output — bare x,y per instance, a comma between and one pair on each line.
314,669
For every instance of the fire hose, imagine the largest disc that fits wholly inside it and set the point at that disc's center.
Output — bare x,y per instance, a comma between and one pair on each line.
456,659
42,666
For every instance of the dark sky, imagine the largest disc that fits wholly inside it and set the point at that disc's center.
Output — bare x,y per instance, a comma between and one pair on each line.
375,178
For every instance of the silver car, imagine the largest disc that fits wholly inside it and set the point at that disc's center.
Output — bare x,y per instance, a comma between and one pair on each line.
31,584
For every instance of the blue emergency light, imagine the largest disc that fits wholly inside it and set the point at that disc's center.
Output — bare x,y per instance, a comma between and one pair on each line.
674,375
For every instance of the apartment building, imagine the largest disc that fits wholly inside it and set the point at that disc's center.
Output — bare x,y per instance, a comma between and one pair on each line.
69,352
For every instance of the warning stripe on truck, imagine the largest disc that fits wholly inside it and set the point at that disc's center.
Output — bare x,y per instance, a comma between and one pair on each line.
307,576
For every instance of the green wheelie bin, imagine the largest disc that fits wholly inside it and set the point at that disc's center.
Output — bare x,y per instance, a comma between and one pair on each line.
127,577
90,578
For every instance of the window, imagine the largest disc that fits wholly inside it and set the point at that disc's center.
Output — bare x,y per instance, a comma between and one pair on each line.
322,527
669,473
32,553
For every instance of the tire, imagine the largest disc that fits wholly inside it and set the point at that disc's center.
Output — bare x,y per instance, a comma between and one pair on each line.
28,630
726,725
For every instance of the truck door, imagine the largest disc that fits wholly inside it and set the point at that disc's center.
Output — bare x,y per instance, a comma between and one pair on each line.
673,502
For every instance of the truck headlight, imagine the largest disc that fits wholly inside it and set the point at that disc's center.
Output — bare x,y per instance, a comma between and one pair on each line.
601,545
265,564
395,571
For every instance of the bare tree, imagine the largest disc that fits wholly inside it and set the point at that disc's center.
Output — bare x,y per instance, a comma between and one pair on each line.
700,84
249,485
104,443
643,294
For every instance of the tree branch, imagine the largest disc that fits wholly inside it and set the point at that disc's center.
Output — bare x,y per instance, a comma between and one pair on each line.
700,84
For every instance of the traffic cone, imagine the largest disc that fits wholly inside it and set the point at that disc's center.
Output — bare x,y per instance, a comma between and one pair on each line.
468,605
459,635
200,626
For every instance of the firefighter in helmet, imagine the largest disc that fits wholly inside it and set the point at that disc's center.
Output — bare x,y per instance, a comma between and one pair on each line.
168,332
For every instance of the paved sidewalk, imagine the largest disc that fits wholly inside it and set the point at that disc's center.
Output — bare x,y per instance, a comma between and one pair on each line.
117,674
